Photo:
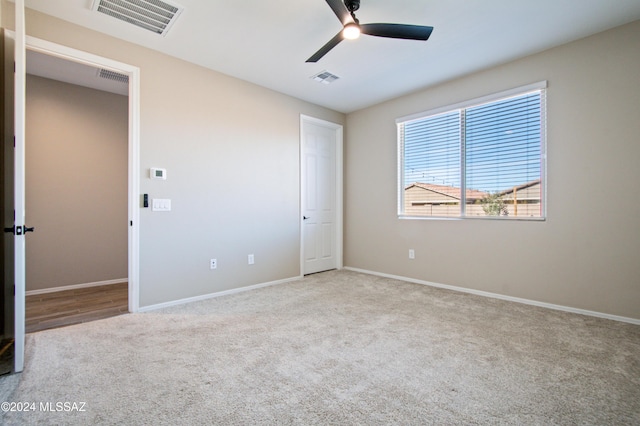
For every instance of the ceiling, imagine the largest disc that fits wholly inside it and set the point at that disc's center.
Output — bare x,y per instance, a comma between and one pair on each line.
72,72
267,43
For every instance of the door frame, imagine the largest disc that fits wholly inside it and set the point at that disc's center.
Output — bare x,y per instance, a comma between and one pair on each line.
74,55
339,179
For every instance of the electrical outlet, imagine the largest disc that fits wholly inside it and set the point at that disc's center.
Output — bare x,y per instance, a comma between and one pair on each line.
250,259
412,254
213,264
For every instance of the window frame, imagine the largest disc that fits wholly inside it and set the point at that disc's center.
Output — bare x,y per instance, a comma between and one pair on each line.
541,87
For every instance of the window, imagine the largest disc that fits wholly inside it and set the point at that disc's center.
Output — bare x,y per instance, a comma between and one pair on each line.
483,158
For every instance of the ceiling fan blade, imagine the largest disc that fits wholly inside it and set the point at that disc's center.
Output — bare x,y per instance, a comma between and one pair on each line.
326,48
410,32
340,10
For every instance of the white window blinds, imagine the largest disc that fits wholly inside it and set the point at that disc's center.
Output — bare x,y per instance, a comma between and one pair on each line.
484,159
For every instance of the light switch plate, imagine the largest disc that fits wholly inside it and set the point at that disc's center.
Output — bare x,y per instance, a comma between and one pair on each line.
161,205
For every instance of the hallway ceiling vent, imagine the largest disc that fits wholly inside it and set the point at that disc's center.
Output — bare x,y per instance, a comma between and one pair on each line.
112,75
153,15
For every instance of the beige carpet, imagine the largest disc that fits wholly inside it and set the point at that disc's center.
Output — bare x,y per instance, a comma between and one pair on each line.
335,348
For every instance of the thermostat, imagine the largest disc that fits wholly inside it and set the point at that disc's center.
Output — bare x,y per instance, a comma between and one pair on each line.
157,173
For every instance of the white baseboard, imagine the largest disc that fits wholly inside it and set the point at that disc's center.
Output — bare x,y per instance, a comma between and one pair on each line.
502,297
74,287
217,294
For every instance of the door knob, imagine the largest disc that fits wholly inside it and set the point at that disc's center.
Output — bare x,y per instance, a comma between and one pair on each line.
19,230
305,217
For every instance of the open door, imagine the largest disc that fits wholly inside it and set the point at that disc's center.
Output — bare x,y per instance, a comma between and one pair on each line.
13,248
19,227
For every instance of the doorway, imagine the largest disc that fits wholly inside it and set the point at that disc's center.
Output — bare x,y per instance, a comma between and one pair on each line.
321,195
76,192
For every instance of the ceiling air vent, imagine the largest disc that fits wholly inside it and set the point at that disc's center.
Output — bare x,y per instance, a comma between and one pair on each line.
325,77
153,15
112,75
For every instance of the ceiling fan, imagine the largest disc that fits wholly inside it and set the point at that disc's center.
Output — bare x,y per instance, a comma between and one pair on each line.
352,28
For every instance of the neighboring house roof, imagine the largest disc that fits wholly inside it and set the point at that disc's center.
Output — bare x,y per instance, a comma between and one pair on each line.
449,191
529,191
520,187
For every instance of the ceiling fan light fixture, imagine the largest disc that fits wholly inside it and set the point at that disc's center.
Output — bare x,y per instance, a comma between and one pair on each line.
351,31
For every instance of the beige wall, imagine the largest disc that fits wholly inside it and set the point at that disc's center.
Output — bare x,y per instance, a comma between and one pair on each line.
587,259
76,184
231,150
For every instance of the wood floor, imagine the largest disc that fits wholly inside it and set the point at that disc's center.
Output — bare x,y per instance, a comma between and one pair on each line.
52,310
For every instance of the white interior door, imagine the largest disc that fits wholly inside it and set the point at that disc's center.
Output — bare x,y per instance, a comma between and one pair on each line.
321,183
19,185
